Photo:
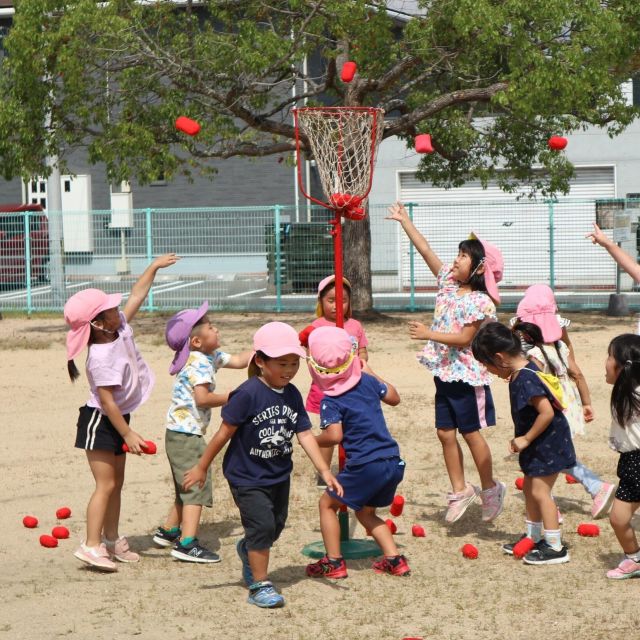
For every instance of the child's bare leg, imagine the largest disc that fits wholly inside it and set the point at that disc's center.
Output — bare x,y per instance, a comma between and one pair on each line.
453,458
620,518
190,520
329,525
259,563
543,503
481,454
102,465
174,517
379,530
112,516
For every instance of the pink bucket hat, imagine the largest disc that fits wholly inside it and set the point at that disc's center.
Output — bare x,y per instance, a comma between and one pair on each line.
333,361
539,307
178,332
324,283
80,309
494,266
275,339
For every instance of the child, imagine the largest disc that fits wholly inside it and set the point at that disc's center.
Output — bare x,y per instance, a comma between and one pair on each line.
119,382
196,343
542,438
467,295
326,317
622,370
545,342
259,421
351,414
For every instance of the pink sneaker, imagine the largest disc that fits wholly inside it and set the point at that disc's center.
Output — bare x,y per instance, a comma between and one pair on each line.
97,557
120,550
493,501
458,503
603,500
626,569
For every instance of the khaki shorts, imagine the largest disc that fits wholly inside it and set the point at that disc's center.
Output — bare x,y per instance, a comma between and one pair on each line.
184,451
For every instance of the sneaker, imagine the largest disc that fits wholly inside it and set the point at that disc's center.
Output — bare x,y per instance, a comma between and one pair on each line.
166,538
545,554
603,500
626,569
193,552
120,550
264,595
325,568
396,567
247,575
508,547
458,503
493,501
97,557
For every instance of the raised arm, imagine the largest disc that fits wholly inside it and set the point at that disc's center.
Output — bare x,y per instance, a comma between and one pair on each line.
141,288
625,261
399,213
239,360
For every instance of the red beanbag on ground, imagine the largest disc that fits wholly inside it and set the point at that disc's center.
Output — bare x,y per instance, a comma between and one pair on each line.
63,513
522,547
31,522
48,541
469,551
417,531
588,530
391,524
61,533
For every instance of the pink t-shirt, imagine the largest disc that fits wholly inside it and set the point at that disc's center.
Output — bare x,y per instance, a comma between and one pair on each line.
119,364
355,330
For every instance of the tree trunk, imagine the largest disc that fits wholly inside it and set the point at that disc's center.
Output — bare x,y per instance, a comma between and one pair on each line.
357,263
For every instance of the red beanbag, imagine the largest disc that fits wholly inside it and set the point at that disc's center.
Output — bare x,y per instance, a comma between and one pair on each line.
557,143
522,547
63,513
348,71
588,530
417,531
391,524
31,522
519,483
570,479
469,551
61,533
48,541
423,144
303,336
149,447
397,506
187,125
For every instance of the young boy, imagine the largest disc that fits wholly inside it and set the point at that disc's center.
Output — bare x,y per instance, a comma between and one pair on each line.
196,343
351,414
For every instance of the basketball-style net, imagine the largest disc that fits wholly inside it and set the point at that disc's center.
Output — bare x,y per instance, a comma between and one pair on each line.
344,143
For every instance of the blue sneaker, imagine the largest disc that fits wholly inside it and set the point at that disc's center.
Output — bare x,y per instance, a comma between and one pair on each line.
247,576
263,594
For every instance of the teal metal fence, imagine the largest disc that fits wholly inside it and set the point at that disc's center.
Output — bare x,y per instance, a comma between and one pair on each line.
267,259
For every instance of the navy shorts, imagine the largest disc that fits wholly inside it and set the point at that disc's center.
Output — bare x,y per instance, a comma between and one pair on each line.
263,512
372,484
463,407
629,474
95,432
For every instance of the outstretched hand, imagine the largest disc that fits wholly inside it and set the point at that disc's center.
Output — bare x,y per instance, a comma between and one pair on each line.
398,212
597,236
166,260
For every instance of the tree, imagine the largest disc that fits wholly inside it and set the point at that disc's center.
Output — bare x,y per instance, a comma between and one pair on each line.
489,80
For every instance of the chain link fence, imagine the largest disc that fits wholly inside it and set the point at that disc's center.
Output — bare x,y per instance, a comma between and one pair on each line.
271,258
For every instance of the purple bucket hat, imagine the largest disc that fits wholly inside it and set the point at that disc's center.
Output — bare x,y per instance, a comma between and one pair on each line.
178,332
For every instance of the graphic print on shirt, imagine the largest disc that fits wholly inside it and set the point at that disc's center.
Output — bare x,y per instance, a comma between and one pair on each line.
274,427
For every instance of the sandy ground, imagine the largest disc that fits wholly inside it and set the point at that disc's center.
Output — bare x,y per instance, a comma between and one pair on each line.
47,593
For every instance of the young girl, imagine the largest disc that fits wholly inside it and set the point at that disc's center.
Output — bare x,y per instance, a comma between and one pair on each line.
542,438
622,370
351,414
467,295
326,317
259,422
546,343
119,382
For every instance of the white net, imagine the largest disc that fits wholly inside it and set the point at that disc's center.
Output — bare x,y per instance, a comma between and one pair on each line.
344,142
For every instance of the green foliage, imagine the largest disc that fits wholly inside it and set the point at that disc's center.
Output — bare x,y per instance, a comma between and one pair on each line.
490,80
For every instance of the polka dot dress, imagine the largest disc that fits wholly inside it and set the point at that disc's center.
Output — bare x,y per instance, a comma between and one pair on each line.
629,474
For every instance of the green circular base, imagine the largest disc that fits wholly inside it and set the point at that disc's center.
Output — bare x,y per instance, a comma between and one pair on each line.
351,549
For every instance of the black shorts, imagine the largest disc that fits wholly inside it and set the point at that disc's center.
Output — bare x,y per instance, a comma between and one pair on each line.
95,432
629,474
263,512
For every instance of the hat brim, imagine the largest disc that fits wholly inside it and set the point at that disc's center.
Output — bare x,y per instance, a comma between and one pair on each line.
254,370
335,384
548,323
181,357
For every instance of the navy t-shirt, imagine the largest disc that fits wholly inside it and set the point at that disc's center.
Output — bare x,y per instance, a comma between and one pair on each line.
552,451
365,436
259,453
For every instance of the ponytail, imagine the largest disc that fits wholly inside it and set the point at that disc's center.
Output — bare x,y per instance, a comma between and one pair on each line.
625,398
532,334
494,338
74,374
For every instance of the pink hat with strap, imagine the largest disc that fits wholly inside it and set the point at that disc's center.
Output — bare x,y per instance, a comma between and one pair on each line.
494,266
333,360
79,310
275,339
539,307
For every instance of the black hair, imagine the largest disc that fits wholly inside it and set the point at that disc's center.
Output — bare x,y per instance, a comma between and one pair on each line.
330,286
72,370
625,398
475,250
531,333
495,338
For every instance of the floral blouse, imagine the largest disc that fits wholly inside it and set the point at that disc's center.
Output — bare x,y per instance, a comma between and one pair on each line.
451,313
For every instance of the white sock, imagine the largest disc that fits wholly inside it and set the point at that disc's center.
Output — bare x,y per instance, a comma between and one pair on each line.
534,530
553,538
634,556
